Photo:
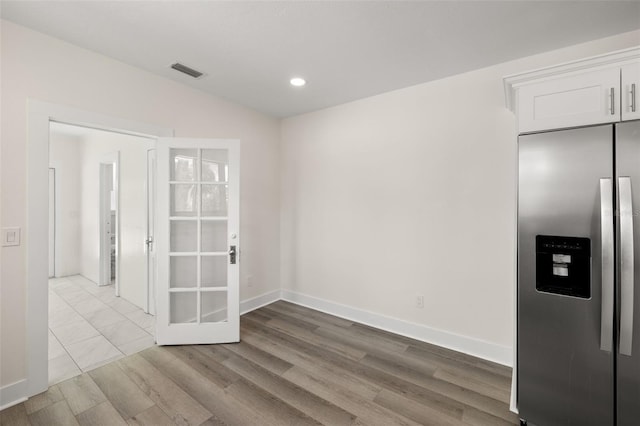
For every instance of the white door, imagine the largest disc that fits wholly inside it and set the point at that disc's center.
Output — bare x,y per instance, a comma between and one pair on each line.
150,306
197,241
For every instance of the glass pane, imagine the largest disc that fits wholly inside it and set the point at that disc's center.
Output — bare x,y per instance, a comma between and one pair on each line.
214,271
214,306
183,307
183,200
215,166
184,235
183,164
183,271
214,200
214,235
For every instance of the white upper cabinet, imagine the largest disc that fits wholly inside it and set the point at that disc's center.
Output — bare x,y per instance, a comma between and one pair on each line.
598,90
629,92
577,100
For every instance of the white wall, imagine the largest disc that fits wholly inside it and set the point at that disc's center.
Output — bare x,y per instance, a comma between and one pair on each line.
64,156
132,204
411,193
39,67
373,212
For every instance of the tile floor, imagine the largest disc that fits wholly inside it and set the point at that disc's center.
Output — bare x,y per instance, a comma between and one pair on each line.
89,326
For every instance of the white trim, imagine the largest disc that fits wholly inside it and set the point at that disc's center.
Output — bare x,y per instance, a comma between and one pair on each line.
257,302
475,347
38,117
111,158
13,394
617,58
513,399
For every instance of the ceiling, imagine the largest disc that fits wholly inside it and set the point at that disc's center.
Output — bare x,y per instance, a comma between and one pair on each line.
346,50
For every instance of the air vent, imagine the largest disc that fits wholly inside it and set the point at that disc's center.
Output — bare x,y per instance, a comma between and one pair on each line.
186,70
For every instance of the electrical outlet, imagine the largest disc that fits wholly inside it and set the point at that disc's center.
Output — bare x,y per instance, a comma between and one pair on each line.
249,280
420,302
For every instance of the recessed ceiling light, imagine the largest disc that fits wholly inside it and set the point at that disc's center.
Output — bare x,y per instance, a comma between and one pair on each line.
297,81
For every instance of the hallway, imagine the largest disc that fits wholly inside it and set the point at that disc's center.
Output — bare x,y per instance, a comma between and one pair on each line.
89,326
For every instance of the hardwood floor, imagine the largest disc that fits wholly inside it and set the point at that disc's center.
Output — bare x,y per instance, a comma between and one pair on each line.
294,366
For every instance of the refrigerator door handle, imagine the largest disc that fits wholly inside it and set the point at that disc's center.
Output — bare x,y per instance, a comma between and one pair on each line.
626,265
606,237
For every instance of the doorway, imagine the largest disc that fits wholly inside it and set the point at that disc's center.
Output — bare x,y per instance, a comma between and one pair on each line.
40,114
98,296
212,194
109,220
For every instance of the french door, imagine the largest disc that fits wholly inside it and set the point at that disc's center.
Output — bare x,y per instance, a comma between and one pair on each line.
197,241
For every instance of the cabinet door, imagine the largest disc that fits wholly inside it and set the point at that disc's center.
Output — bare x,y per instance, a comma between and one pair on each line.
589,98
629,92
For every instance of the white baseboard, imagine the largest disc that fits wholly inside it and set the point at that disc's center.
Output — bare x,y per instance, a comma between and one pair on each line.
254,303
478,348
13,394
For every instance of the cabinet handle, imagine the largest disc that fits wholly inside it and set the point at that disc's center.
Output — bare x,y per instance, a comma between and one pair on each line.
633,97
613,104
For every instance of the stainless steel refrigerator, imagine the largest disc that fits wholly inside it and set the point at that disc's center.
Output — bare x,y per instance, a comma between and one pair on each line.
578,316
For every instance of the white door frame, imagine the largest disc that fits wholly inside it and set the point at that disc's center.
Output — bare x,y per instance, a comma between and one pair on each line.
150,193
52,222
112,159
37,270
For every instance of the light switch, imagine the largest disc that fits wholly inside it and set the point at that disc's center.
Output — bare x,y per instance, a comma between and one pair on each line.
10,237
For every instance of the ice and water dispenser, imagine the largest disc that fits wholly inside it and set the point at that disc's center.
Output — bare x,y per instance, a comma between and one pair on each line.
563,265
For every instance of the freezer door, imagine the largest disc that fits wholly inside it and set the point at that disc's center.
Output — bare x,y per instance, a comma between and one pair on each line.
565,361
628,237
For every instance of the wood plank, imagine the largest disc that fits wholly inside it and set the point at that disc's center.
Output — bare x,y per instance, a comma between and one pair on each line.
367,412
375,376
400,369
120,390
215,399
14,416
421,387
424,351
207,366
474,417
214,421
310,315
276,315
241,403
502,394
494,367
292,329
81,393
176,403
265,359
58,413
461,370
273,411
256,316
44,399
422,414
102,414
338,376
363,343
153,416
296,396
